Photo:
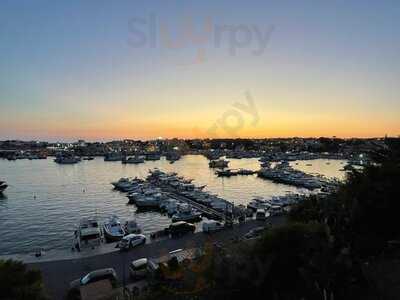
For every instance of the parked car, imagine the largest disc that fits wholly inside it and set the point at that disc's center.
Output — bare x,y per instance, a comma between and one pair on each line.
132,240
181,228
140,268
211,226
94,276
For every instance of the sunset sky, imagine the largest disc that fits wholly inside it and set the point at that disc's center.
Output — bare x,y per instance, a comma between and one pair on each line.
102,70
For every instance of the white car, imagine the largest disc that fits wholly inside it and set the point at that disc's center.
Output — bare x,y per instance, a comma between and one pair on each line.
142,267
132,240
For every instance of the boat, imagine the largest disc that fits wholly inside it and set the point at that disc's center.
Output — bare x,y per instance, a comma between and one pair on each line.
170,206
148,202
258,203
113,230
221,163
121,183
245,172
133,196
172,157
131,226
186,213
133,160
66,159
226,173
88,158
127,185
88,234
153,156
3,186
113,156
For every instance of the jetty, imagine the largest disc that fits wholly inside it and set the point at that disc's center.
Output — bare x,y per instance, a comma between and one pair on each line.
205,211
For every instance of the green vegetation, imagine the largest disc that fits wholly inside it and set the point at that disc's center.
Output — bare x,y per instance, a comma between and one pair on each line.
339,247
19,283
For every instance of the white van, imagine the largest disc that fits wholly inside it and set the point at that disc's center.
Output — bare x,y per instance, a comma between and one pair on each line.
211,226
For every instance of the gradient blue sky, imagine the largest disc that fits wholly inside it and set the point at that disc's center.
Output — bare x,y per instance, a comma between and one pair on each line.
68,70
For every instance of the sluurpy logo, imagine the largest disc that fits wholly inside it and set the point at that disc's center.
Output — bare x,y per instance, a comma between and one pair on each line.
199,36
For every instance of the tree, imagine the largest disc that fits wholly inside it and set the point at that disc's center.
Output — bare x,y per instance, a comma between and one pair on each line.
17,282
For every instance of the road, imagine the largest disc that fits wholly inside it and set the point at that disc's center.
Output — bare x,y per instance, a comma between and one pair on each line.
58,274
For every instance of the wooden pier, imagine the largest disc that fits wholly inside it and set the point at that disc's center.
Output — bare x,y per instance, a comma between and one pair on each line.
205,210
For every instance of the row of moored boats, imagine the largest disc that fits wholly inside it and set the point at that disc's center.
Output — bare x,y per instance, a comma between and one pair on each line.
90,233
170,193
284,173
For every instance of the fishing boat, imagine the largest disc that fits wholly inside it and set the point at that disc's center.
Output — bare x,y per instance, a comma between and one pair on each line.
3,186
113,230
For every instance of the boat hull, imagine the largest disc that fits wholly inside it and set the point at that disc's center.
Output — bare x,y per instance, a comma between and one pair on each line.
112,238
3,188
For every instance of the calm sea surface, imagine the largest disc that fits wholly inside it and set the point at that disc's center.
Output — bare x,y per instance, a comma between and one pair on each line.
45,201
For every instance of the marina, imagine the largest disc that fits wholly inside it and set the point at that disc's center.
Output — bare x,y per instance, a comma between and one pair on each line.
66,194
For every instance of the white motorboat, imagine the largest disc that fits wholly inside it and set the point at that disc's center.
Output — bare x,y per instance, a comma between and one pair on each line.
113,230
88,234
170,206
131,226
133,160
126,185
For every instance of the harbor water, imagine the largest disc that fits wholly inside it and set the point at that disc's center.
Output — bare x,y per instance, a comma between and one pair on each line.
45,200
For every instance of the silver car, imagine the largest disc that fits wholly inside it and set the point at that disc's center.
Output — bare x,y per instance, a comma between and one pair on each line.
132,240
94,276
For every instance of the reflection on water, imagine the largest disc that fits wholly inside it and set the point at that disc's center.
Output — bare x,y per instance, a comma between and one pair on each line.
44,200
328,168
